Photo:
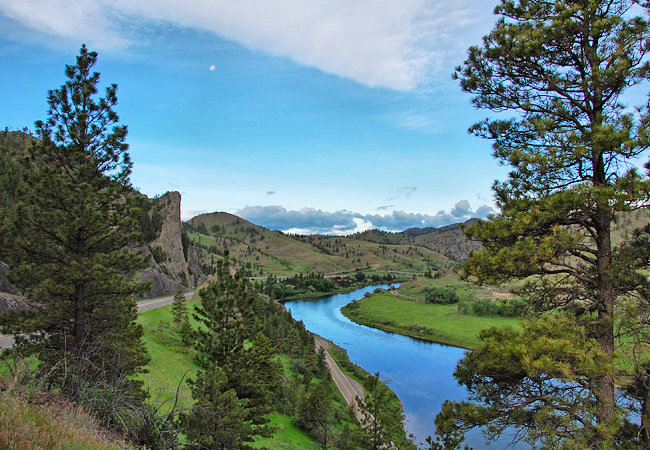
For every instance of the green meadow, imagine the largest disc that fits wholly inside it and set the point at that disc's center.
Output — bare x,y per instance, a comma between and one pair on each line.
406,313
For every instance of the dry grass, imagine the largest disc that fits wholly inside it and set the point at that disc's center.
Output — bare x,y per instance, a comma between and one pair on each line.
26,426
34,418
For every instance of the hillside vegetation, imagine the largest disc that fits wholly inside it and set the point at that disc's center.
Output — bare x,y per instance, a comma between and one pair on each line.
34,418
261,252
449,240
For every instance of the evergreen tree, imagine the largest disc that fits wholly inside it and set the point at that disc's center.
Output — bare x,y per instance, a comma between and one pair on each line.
382,418
321,364
181,318
249,371
218,419
314,412
267,372
560,68
537,380
179,308
66,235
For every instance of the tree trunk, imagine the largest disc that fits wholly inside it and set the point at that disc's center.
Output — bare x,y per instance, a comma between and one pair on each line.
604,326
644,384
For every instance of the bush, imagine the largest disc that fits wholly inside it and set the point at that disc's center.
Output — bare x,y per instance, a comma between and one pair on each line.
503,308
440,296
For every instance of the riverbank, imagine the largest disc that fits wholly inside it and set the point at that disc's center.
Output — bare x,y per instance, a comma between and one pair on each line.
441,324
340,290
358,380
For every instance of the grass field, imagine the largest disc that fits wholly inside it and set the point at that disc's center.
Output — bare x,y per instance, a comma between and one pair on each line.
286,436
436,323
171,362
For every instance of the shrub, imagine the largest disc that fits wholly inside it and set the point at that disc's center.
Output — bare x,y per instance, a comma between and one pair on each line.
440,296
503,308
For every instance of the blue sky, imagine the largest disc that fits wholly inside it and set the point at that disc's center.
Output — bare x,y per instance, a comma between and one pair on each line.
322,116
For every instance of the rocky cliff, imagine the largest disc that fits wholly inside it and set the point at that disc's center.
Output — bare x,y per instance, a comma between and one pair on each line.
173,265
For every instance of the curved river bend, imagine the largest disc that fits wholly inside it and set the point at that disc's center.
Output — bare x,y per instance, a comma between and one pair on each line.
419,372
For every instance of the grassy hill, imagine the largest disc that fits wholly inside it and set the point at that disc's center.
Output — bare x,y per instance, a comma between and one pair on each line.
449,241
626,224
261,252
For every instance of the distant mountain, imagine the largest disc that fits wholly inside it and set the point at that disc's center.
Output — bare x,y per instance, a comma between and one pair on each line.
183,254
448,240
452,242
260,252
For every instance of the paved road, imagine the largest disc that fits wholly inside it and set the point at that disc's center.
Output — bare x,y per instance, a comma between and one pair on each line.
350,388
6,341
145,305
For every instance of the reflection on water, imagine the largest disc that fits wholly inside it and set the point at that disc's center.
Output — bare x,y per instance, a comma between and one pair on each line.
419,372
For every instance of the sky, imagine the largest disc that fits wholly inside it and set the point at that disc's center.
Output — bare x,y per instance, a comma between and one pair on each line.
321,116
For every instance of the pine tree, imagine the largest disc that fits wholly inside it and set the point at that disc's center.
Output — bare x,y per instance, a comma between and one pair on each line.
267,373
181,318
218,419
66,235
560,69
249,371
179,308
314,411
537,380
382,418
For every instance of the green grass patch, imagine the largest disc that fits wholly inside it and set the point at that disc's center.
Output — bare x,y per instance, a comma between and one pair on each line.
170,362
436,323
287,435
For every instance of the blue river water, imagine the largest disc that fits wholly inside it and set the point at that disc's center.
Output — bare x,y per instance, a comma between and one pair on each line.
420,373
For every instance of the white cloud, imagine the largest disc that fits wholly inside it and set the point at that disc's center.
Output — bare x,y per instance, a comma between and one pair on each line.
403,192
394,44
84,20
186,215
342,223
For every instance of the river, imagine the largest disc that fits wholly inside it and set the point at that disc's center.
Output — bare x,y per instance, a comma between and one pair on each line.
419,372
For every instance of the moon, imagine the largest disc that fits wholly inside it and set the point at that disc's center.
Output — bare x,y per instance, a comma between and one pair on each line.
212,67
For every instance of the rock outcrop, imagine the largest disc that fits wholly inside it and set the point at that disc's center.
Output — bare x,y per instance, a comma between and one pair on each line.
9,301
172,265
5,286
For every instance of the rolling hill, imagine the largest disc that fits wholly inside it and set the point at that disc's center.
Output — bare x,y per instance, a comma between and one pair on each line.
449,240
261,252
